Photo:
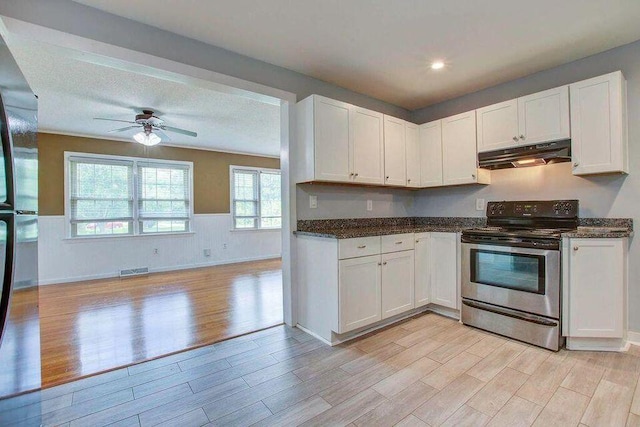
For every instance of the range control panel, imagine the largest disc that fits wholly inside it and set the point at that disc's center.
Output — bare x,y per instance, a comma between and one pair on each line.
533,209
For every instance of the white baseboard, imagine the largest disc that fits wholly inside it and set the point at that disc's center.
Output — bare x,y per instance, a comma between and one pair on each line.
156,270
633,337
597,344
313,334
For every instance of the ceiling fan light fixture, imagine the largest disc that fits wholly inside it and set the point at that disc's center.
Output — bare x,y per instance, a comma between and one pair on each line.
147,138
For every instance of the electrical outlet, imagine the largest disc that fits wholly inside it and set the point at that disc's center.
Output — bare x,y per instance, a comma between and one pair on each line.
313,202
155,251
207,252
224,246
479,204
369,205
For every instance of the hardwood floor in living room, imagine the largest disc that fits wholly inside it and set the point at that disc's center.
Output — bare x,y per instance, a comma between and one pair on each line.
96,326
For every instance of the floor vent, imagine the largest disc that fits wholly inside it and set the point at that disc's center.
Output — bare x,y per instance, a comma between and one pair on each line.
134,272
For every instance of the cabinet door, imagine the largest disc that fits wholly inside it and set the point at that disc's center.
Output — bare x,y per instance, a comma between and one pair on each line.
497,126
413,155
596,288
422,272
443,265
430,144
397,283
395,154
544,116
331,136
366,146
459,156
599,125
359,292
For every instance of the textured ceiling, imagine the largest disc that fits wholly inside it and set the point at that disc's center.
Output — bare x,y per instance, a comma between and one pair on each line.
383,48
72,92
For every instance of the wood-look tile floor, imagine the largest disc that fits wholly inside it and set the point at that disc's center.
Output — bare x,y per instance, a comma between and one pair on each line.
429,370
95,326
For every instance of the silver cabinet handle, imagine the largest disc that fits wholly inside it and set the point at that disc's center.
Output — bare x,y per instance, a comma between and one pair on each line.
515,138
355,174
473,176
398,243
379,263
575,248
362,246
351,174
384,263
576,164
408,180
417,241
522,137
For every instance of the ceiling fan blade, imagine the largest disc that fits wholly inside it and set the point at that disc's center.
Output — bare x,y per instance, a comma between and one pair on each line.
162,135
113,120
178,130
123,129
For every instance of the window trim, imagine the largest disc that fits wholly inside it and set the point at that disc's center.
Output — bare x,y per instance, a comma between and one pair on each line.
136,220
232,193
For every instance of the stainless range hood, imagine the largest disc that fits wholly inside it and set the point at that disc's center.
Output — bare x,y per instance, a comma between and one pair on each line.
528,155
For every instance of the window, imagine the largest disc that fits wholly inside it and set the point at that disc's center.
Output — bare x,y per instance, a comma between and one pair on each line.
109,195
255,198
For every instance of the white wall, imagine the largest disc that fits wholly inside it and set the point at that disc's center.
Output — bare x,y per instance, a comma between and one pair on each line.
65,260
600,196
351,202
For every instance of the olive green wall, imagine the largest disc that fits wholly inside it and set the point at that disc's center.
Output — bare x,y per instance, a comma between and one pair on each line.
210,169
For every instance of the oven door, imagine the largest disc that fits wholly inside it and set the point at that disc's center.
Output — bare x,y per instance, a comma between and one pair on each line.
518,278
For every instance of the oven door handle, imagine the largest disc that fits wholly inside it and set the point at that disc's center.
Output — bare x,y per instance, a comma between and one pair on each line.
510,313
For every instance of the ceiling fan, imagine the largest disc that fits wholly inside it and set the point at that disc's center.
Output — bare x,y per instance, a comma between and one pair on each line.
153,128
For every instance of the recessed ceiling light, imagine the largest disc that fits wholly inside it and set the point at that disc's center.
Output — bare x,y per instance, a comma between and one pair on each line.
437,65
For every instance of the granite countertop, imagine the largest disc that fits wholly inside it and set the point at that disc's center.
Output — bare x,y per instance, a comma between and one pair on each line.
367,227
602,228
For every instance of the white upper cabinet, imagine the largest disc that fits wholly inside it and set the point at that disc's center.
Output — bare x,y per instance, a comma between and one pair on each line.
544,116
339,142
531,119
498,126
413,154
430,145
395,154
599,125
331,135
459,155
366,145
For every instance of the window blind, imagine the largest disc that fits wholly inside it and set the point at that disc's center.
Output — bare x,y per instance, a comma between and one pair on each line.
101,196
256,198
163,197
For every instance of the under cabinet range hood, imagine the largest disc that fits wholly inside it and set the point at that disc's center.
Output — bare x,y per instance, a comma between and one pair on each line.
528,155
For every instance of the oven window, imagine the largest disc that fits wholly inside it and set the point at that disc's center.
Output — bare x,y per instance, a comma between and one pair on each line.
521,272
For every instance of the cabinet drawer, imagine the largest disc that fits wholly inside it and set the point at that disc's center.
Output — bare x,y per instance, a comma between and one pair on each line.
397,242
361,246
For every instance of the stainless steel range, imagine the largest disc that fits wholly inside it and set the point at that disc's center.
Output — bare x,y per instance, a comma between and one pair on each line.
511,277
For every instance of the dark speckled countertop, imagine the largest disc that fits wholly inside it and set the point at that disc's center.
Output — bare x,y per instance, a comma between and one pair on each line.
366,227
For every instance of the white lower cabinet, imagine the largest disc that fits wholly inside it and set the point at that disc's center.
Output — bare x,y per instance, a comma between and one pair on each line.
443,269
422,273
359,292
397,283
346,285
594,292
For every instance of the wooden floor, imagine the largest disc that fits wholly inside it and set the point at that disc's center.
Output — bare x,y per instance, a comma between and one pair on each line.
429,370
95,326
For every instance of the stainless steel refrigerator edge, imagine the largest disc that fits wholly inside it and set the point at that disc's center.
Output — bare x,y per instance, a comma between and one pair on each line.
19,312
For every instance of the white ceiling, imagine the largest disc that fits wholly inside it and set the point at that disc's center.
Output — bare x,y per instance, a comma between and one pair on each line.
383,47
72,91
